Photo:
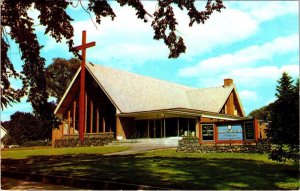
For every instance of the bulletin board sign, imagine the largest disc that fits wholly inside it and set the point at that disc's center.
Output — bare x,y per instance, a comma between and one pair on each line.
249,130
230,132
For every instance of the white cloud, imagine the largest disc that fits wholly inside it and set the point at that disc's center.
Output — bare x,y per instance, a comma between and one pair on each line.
233,24
124,41
248,95
127,31
223,28
250,77
292,70
244,58
260,76
263,11
130,38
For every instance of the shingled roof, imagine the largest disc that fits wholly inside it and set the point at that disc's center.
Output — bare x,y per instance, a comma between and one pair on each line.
131,92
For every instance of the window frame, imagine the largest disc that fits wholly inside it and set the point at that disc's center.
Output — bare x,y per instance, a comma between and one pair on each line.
213,132
246,131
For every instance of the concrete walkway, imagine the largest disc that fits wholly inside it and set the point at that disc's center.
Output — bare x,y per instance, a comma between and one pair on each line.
137,148
146,145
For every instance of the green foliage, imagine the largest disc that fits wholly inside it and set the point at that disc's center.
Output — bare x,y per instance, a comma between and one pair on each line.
59,74
284,115
39,143
16,24
24,127
262,113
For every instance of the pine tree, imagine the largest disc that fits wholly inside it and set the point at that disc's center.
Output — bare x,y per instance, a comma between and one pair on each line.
284,126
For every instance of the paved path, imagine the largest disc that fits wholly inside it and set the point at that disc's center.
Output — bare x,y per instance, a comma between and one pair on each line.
15,184
146,144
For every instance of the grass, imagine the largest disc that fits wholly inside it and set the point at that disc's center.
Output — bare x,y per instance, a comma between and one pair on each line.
23,153
169,169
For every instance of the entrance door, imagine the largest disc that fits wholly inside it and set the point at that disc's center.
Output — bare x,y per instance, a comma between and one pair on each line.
155,128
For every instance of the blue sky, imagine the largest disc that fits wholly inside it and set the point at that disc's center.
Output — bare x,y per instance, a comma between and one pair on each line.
250,42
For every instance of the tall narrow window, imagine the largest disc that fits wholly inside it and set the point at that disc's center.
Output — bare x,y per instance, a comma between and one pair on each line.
208,132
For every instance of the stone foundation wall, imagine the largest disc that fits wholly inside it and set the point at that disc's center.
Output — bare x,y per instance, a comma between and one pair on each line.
89,140
191,145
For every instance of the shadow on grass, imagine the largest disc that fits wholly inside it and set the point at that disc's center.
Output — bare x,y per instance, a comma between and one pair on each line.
167,172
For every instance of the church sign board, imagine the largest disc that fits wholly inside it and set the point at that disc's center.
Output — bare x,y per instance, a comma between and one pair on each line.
230,132
227,132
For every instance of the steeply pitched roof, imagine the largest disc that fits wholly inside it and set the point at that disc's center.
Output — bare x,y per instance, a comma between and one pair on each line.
131,92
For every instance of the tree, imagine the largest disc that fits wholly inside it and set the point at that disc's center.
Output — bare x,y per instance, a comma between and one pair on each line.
16,23
284,114
262,113
59,75
25,127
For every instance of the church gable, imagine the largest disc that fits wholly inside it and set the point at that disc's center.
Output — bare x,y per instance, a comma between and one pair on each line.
233,105
93,92
99,110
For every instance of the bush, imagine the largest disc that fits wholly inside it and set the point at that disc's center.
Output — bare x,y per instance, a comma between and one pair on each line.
40,143
90,140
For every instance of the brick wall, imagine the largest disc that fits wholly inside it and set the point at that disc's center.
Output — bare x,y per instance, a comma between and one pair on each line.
125,127
230,105
56,135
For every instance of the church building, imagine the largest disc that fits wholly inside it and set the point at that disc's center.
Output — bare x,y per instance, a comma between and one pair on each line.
129,105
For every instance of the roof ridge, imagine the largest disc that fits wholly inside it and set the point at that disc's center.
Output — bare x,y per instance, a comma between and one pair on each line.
197,89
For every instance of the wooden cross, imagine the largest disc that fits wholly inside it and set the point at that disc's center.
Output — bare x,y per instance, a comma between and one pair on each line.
83,48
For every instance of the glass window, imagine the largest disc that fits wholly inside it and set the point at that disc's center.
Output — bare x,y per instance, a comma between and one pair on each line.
208,132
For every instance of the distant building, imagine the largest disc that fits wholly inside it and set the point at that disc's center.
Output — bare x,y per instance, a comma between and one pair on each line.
129,104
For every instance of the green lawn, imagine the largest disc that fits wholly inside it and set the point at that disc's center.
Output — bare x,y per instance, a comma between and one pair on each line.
23,153
169,169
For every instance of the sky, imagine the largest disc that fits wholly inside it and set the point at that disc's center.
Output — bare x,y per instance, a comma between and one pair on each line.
251,42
